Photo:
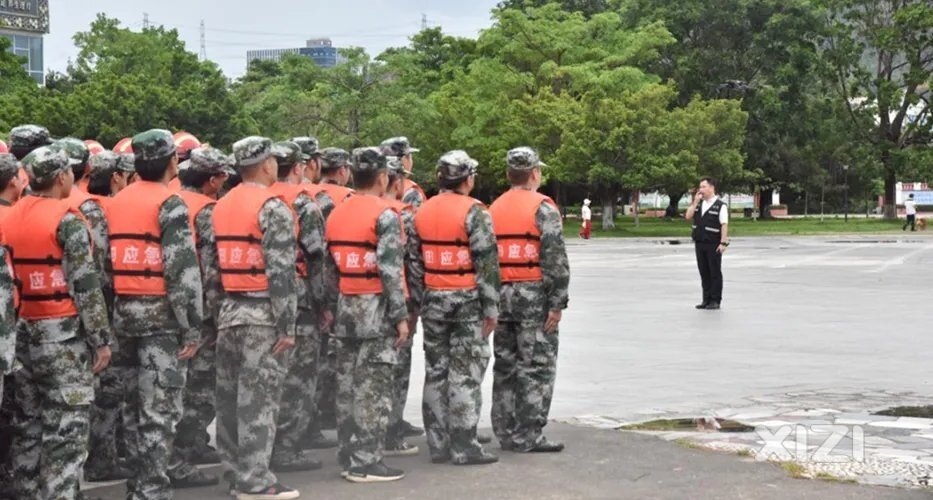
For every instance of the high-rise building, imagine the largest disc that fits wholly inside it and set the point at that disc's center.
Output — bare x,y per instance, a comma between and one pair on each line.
321,50
24,22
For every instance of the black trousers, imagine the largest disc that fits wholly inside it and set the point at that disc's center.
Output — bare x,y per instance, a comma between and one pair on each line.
709,261
912,222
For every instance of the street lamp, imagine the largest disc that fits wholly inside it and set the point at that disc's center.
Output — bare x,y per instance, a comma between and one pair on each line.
845,169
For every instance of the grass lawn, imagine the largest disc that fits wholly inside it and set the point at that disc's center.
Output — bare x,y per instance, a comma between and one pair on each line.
655,227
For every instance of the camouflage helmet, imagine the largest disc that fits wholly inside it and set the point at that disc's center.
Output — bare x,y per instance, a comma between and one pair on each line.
310,147
523,158
367,160
251,151
76,149
397,146
287,154
155,144
456,166
29,136
8,164
45,162
107,163
334,158
210,161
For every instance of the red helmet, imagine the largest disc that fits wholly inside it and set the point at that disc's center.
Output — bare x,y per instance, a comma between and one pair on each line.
184,143
94,147
3,148
124,146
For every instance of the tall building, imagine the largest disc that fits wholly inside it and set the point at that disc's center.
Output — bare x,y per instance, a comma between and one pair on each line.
24,22
321,50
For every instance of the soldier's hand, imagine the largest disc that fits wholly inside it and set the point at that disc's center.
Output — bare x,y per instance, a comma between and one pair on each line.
102,359
282,345
327,320
553,319
403,333
187,352
489,326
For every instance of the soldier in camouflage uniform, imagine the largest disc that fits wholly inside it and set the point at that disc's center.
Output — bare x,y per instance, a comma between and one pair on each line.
311,155
399,429
364,238
255,264
535,280
411,193
24,139
8,171
204,175
11,183
158,308
297,403
460,272
61,342
108,175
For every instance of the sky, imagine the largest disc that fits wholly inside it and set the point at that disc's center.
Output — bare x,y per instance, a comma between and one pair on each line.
235,26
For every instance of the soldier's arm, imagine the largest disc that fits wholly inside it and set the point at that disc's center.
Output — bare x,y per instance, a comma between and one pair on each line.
182,273
97,223
413,197
389,256
7,316
555,266
414,274
485,256
311,241
278,245
210,272
325,203
83,283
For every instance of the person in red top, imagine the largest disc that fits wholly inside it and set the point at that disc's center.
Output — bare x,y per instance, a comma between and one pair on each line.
535,280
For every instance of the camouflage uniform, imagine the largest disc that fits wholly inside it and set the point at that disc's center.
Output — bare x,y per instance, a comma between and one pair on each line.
152,329
364,338
26,138
249,377
54,388
456,354
400,147
526,356
297,403
192,441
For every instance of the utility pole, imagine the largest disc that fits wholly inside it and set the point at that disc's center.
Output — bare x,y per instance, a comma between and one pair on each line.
145,21
203,54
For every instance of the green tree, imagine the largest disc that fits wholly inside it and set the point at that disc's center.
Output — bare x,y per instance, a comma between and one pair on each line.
18,92
879,53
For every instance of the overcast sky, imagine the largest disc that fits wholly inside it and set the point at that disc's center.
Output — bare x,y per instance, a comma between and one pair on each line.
235,26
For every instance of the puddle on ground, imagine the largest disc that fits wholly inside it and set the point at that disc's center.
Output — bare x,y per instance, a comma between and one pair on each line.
704,424
908,411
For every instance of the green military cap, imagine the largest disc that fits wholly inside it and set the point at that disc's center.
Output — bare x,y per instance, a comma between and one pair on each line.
251,151
212,161
45,162
155,144
397,146
26,136
367,159
332,158
456,165
310,146
8,163
287,153
523,158
76,149
394,166
107,163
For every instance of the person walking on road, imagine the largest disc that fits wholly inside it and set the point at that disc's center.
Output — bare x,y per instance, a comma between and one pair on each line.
587,215
911,208
711,238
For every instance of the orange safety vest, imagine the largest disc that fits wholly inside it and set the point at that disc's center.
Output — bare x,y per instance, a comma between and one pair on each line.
517,234
290,193
409,184
30,231
175,184
445,244
195,203
136,239
239,238
337,193
352,242
4,211
77,197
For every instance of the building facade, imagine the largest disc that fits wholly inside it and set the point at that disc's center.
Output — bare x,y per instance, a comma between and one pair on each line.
321,50
24,23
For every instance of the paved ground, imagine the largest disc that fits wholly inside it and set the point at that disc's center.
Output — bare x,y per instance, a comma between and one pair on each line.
842,314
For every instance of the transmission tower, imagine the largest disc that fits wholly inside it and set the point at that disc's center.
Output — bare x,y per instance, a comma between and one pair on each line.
145,21
424,22
203,42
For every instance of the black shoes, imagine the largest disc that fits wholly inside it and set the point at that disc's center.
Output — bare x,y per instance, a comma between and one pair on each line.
295,462
375,473
702,305
117,472
321,442
484,438
482,457
196,479
713,306
544,446
275,492
406,429
204,456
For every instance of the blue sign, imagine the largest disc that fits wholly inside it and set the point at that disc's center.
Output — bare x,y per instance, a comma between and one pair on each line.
920,197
